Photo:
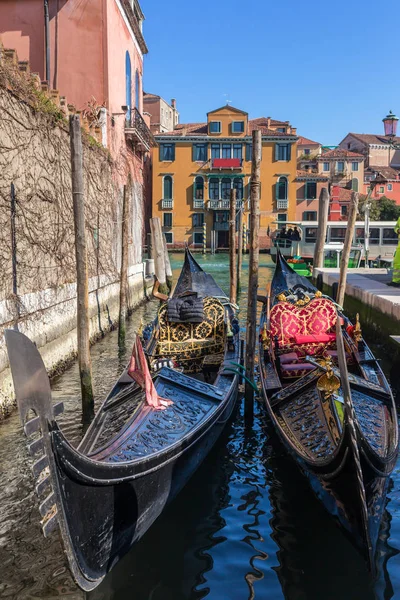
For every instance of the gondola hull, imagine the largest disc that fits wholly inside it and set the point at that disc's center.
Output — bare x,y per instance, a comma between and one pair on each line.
348,463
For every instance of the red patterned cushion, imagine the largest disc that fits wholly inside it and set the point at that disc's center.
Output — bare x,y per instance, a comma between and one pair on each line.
318,316
320,337
288,321
285,322
288,358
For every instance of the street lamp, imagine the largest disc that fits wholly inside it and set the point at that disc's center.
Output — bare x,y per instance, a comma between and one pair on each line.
390,124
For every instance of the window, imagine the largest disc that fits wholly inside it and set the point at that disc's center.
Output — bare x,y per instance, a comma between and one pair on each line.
198,238
169,237
167,187
137,89
359,235
389,237
237,126
226,150
128,84
198,189
225,189
354,184
389,187
215,127
198,219
340,166
167,219
282,218
338,234
307,151
281,129
374,236
215,151
326,166
167,152
354,166
213,188
344,210
311,190
382,189
310,236
281,189
237,151
238,185
310,215
282,151
199,152
249,151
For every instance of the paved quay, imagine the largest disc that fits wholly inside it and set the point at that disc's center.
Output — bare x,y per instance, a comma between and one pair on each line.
369,286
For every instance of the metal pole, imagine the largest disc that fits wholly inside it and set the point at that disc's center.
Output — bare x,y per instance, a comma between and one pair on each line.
47,38
253,275
232,245
82,286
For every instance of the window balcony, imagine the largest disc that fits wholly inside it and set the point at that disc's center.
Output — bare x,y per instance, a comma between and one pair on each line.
221,226
198,203
223,204
226,163
137,130
282,204
167,204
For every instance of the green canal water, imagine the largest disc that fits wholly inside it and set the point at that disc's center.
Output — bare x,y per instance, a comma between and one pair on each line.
245,527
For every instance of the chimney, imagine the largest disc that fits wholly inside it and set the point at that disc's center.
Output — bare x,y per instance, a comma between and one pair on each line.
173,103
268,122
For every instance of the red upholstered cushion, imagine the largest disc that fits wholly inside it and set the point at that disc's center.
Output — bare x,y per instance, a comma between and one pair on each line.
285,322
288,321
299,367
318,316
321,337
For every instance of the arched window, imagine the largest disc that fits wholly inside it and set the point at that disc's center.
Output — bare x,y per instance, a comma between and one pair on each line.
354,184
281,188
225,188
167,187
213,188
198,188
238,185
128,80
137,90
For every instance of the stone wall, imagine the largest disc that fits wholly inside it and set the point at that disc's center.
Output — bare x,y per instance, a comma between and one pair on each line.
35,166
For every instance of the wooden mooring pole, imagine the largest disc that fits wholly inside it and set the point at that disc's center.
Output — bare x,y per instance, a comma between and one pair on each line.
168,270
253,275
158,254
344,261
240,250
14,254
232,246
82,286
323,208
123,281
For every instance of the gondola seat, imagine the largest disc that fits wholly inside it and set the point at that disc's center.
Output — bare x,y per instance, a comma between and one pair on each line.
188,344
303,329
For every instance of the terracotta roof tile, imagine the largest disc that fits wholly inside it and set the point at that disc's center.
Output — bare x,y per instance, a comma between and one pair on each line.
196,129
339,153
301,175
388,172
371,138
343,194
303,141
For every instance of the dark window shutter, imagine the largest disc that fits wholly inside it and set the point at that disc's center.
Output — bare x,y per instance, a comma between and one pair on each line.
173,152
276,151
161,152
289,151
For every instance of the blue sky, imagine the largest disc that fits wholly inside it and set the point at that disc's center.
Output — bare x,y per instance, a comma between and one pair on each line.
328,67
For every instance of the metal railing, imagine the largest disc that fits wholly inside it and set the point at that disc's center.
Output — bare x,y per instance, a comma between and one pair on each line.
198,203
282,204
167,203
223,204
135,125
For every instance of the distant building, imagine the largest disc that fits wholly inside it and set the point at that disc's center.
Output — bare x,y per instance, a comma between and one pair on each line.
343,167
163,116
197,164
309,184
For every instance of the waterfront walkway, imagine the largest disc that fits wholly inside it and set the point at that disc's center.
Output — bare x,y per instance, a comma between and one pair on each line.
369,286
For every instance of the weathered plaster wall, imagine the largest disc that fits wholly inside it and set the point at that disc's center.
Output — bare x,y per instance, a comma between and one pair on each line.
35,157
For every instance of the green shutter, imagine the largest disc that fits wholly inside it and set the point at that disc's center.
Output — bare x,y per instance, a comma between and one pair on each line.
289,151
173,151
276,151
161,152
277,191
193,152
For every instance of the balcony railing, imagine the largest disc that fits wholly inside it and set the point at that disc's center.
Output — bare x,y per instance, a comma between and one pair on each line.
136,128
198,203
282,204
167,204
223,204
226,163
221,226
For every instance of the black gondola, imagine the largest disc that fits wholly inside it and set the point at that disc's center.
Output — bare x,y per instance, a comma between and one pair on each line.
133,460
329,402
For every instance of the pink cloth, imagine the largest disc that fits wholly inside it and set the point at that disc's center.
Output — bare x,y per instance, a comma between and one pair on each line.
139,371
314,337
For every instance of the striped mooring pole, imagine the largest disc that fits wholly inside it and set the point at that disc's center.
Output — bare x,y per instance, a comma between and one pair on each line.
244,238
204,237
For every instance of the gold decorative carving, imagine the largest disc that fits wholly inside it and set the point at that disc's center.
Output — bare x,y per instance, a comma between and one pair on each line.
328,383
265,337
357,333
281,298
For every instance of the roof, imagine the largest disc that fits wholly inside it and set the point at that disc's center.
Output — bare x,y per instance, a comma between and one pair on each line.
388,173
147,95
309,175
201,129
243,112
371,138
343,194
303,141
339,153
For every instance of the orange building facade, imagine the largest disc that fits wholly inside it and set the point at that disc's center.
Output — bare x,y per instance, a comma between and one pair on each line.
196,166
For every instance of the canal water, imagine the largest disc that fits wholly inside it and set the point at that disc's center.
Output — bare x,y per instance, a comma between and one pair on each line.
245,527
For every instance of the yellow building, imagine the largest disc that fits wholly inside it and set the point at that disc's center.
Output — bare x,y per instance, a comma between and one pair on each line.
197,164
